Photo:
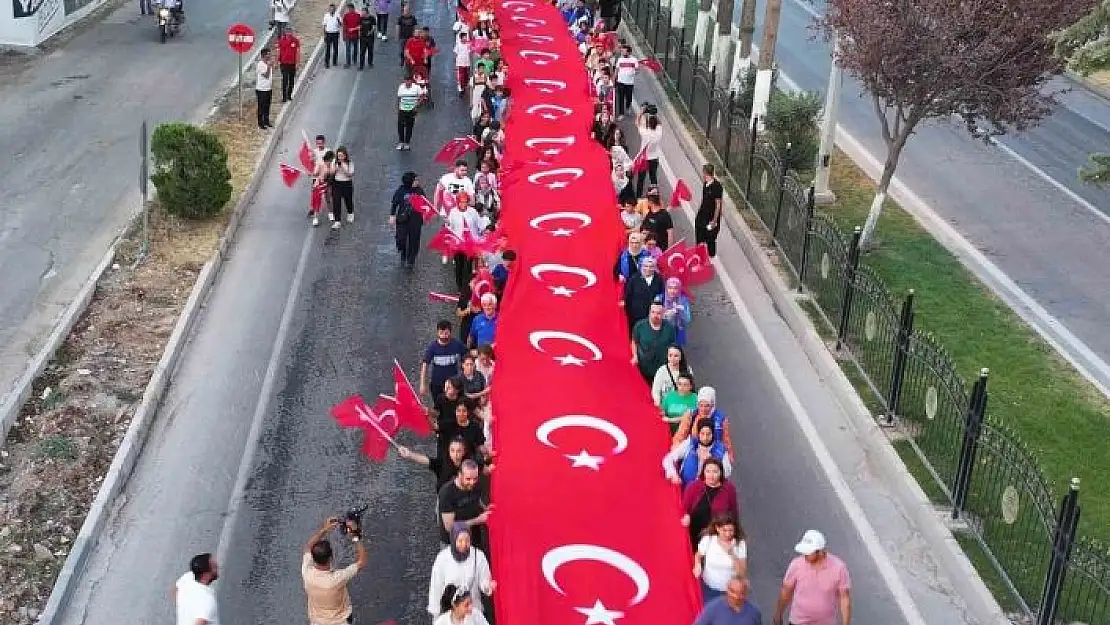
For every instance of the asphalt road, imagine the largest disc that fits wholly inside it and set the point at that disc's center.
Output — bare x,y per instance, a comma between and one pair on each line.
1053,247
69,127
326,312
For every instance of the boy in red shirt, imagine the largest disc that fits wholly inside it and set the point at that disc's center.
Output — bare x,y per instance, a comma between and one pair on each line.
289,51
416,52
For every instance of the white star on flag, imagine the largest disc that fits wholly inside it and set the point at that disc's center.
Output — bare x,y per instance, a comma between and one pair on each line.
570,359
561,232
585,459
600,614
561,290
558,184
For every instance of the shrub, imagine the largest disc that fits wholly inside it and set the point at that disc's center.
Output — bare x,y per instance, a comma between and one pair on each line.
745,94
792,118
190,170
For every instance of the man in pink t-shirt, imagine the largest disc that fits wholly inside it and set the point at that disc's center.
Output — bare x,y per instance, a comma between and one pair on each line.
816,586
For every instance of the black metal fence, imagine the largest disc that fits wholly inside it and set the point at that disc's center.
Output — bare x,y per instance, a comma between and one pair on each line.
1024,543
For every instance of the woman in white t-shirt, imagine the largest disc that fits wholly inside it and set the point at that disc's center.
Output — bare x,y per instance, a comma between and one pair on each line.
462,612
462,62
651,142
722,554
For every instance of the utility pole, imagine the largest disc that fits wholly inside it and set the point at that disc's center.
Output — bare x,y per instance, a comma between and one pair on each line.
747,28
822,194
765,77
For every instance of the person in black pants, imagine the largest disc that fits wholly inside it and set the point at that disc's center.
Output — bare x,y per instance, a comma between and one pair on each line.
333,25
707,223
263,89
407,221
368,30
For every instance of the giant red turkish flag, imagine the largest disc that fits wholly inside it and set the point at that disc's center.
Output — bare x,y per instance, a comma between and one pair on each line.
586,529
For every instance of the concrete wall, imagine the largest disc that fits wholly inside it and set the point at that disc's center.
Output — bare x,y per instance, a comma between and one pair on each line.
31,22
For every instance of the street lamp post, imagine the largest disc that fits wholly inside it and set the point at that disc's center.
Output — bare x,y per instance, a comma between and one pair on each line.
822,193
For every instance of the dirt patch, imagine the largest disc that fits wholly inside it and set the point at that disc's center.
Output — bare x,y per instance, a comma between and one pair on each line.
56,456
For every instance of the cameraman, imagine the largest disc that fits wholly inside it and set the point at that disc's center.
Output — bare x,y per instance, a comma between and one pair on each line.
329,602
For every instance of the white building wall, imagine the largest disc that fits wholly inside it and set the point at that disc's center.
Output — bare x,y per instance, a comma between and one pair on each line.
28,23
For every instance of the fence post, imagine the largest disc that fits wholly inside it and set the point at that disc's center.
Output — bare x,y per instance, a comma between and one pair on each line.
1063,540
658,15
784,165
728,129
709,89
849,287
681,56
806,237
973,427
901,352
751,156
693,84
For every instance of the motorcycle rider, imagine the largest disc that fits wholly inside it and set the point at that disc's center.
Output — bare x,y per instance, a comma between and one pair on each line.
177,9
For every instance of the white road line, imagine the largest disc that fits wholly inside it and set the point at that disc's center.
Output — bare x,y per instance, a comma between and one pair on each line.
1089,364
265,395
867,534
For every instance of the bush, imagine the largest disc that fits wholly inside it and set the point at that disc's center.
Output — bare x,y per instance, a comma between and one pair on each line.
792,118
190,170
745,96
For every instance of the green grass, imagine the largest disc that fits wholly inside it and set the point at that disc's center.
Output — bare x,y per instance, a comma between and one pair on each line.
1062,419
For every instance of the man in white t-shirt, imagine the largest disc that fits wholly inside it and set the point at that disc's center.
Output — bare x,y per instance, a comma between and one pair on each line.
462,62
264,87
452,183
194,595
626,79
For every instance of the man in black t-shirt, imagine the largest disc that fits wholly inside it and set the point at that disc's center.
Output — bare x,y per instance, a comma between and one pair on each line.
462,499
707,223
446,467
406,27
367,31
658,220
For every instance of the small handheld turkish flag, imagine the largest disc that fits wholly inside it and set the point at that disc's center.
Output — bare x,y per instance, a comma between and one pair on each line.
672,263
306,156
289,175
316,202
421,205
455,148
410,412
652,64
681,194
445,242
699,267
434,296
378,432
640,163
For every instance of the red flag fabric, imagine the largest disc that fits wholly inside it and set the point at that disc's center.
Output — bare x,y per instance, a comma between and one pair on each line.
377,431
639,163
672,263
319,192
306,156
410,412
455,148
699,267
445,242
600,432
434,296
421,205
481,284
681,194
289,175
652,64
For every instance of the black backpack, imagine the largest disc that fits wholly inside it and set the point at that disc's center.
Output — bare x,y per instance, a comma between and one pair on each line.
405,211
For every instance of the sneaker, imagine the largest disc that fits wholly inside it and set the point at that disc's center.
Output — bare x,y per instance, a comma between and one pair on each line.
407,147
331,217
336,226
315,221
309,213
400,146
443,259
351,218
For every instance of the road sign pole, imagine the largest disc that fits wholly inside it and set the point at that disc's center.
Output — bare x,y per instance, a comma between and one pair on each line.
240,88
240,38
144,177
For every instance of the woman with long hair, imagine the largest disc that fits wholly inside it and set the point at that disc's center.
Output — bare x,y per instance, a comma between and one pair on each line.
722,555
343,188
666,377
459,609
708,498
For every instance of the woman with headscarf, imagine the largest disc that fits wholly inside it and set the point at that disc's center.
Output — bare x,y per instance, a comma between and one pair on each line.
679,403
463,566
708,498
666,377
641,290
706,410
676,308
685,462
404,216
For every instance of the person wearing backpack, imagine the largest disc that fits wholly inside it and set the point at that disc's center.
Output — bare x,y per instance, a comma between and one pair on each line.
404,216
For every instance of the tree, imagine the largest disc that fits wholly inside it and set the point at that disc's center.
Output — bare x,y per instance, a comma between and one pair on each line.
792,119
190,170
986,61
1086,49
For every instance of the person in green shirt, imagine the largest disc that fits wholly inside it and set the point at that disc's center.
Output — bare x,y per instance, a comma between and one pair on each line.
651,338
679,402
486,61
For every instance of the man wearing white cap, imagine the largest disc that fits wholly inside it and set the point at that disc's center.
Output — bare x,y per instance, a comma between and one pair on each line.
816,586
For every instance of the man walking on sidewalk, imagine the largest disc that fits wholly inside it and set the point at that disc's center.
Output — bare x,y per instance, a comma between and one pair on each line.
626,80
332,26
816,586
707,223
264,87
408,98
194,595
368,30
352,23
289,52
406,27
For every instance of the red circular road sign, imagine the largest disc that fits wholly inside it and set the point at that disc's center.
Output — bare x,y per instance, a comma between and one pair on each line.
240,38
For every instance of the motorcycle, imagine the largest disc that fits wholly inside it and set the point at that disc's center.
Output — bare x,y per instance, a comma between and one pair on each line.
169,21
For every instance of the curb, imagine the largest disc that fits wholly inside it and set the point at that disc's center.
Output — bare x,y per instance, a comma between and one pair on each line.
13,402
921,511
128,453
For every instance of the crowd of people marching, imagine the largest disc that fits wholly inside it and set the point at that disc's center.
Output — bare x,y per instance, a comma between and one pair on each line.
459,364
